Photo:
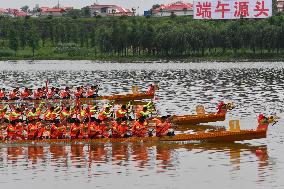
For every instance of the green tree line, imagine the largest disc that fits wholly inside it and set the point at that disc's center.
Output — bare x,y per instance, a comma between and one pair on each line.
134,36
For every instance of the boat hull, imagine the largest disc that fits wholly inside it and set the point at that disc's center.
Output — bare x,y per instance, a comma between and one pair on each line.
196,119
223,136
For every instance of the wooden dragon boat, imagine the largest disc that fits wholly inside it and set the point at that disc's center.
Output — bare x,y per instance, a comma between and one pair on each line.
222,136
202,117
119,99
196,119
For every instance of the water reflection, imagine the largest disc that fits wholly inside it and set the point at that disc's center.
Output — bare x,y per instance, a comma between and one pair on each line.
141,154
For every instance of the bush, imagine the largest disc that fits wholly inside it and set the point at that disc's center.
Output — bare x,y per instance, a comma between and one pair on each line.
71,49
6,53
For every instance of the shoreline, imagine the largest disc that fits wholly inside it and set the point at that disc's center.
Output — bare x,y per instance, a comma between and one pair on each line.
152,59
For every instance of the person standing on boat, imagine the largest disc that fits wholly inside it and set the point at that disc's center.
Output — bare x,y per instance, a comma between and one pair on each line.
51,93
151,89
2,94
222,108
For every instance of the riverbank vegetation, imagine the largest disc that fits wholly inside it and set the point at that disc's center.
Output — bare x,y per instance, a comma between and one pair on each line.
141,38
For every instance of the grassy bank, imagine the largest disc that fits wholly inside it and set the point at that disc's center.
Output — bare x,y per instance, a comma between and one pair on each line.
48,53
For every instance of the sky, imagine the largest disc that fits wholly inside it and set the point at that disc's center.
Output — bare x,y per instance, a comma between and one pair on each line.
142,4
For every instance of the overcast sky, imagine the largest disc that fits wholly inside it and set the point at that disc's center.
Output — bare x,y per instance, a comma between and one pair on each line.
143,4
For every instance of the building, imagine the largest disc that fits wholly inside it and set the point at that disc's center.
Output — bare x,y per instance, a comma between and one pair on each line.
280,5
55,12
179,8
109,10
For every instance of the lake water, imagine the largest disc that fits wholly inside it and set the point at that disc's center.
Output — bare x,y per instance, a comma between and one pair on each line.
254,87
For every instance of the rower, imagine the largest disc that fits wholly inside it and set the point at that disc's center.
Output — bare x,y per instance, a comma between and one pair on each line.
4,115
76,130
105,114
2,94
121,112
139,128
143,113
65,114
57,131
51,114
115,129
91,93
13,95
78,93
11,131
163,128
25,94
65,94
37,94
33,115
15,115
94,130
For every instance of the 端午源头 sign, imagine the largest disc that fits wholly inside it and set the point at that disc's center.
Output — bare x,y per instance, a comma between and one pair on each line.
232,9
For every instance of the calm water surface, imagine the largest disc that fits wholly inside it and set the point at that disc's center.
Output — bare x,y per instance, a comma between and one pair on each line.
254,87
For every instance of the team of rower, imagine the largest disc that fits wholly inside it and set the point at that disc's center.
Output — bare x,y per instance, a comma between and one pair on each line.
52,93
55,93
79,122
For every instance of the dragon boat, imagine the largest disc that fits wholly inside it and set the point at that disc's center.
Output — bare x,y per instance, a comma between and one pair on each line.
232,135
202,117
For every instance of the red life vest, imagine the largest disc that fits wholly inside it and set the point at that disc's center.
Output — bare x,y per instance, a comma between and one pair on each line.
2,94
32,131
37,94
12,95
75,129
11,131
90,92
64,94
78,93
50,94
151,90
24,94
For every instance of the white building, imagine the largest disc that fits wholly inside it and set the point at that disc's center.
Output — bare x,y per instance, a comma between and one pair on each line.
109,10
179,8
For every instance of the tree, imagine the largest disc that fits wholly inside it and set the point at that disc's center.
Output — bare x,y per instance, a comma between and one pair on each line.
74,13
25,8
86,12
33,39
13,40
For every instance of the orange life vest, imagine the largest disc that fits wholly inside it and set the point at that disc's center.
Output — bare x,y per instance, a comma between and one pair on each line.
118,115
